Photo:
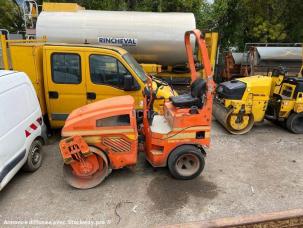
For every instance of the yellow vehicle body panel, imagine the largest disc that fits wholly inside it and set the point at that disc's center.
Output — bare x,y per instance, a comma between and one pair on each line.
89,47
276,84
289,103
70,96
57,100
287,91
28,58
258,109
286,107
4,52
75,95
300,74
61,7
151,68
255,98
260,90
211,39
298,107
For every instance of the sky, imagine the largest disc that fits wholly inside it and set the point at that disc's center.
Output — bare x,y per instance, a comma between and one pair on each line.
20,1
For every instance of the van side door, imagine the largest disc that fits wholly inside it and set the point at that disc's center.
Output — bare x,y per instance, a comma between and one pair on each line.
65,88
105,77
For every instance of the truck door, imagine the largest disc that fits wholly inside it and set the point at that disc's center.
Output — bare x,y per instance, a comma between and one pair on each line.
65,87
105,78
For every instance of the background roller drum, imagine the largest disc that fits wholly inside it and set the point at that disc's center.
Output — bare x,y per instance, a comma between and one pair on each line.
237,124
294,123
220,112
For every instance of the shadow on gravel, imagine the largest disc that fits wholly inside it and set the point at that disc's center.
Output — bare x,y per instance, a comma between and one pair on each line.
169,194
13,183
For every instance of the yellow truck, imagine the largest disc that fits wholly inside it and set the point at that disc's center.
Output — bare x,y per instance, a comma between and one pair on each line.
69,76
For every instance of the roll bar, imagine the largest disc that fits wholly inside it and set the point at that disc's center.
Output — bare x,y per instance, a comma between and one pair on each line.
204,57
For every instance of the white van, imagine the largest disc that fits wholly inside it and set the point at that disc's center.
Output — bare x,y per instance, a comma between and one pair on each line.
22,131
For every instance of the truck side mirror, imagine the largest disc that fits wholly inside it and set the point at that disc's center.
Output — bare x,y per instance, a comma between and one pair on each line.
128,83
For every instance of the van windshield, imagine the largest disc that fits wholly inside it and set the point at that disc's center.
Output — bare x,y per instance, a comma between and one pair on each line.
135,66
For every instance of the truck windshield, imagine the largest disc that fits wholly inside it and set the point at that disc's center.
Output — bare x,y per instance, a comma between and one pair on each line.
135,66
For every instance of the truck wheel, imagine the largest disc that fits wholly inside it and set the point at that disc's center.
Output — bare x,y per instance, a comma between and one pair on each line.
294,123
186,162
34,158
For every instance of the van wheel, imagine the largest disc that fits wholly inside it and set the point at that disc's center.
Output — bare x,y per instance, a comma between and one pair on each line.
186,162
34,158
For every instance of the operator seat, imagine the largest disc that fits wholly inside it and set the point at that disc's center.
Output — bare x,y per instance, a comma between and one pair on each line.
194,98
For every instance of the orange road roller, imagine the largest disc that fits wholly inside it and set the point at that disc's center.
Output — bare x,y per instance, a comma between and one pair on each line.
104,135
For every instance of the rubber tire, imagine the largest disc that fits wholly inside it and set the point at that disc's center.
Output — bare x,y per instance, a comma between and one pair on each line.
29,166
290,120
173,157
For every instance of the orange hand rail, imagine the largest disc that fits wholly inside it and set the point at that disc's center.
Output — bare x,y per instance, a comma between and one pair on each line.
204,55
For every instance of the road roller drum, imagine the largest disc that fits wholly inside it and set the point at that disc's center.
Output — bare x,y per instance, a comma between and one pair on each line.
234,123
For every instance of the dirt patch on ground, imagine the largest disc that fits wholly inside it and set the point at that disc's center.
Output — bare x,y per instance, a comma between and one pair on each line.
169,194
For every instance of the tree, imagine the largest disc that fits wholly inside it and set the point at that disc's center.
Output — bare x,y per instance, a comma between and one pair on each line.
242,21
237,21
294,23
142,5
11,16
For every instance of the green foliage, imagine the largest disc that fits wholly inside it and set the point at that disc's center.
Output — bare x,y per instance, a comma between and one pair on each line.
11,16
242,21
212,16
237,21
156,5
142,5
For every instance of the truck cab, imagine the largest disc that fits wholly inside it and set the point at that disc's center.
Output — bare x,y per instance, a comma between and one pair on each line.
68,76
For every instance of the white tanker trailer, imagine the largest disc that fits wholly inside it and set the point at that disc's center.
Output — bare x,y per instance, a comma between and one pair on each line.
152,38
149,37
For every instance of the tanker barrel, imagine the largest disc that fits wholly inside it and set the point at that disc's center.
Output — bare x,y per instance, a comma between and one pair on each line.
150,37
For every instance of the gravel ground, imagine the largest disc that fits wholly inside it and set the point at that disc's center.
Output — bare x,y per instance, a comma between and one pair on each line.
253,173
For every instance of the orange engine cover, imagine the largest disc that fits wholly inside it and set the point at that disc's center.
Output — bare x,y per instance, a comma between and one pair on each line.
109,125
